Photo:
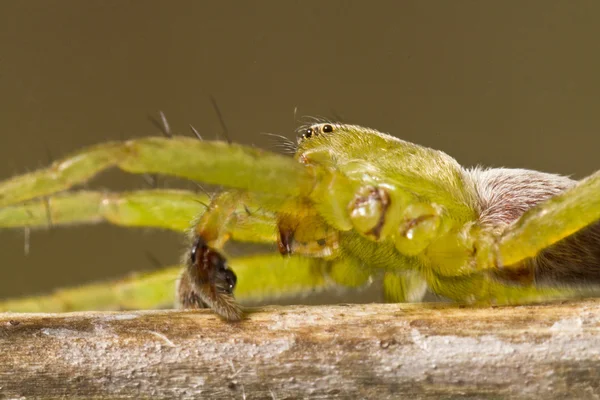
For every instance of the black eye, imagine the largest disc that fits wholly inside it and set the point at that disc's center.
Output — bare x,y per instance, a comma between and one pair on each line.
327,128
308,133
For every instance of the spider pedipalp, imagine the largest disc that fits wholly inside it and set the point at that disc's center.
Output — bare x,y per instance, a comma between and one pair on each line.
208,281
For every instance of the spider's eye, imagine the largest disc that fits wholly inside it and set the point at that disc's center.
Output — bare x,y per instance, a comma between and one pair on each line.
327,128
308,134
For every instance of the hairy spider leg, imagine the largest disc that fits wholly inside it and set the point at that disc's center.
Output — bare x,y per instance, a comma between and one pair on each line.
208,161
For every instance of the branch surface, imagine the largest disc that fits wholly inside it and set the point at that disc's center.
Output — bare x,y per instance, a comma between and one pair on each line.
348,351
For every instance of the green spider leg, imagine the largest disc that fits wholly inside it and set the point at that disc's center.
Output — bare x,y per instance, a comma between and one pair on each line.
211,162
470,250
157,208
550,222
261,277
164,209
463,252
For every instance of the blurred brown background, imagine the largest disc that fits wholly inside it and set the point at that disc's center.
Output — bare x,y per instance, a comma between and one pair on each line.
511,83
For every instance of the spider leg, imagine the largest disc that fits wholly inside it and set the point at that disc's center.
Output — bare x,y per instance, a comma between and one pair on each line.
157,208
137,292
263,276
237,215
164,209
569,219
550,222
551,250
212,162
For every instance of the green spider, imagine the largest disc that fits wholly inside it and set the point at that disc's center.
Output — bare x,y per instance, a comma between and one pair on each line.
351,204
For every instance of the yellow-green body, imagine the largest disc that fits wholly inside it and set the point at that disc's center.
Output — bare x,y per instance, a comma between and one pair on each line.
352,204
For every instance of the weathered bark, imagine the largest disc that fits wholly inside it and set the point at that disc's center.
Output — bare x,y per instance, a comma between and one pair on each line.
359,351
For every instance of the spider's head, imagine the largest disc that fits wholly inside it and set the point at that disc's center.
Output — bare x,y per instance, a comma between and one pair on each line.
316,142
315,130
326,143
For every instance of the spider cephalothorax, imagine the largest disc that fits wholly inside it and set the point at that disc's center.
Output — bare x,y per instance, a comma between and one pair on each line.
352,203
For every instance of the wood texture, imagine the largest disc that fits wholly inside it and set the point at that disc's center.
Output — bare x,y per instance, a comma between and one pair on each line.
359,351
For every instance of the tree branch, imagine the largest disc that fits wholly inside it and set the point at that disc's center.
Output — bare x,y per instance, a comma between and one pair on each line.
359,351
